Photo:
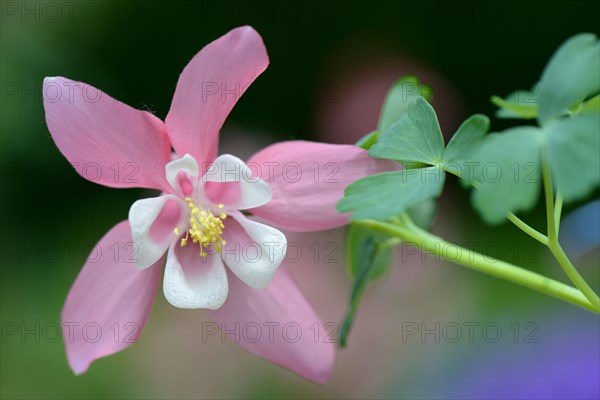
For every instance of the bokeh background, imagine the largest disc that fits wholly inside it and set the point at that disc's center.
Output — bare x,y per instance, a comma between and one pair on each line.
331,64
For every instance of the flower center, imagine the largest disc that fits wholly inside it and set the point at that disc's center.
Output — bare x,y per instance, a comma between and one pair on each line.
205,228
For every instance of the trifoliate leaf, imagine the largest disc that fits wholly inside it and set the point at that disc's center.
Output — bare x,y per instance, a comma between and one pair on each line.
354,236
388,194
397,99
520,104
366,255
570,76
508,172
368,140
416,136
573,154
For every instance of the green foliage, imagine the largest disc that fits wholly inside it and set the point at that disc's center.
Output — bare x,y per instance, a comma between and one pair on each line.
397,99
508,169
368,140
354,236
366,251
416,136
570,77
569,135
367,256
592,106
520,104
423,214
388,194
462,143
573,154
508,173
416,139
504,167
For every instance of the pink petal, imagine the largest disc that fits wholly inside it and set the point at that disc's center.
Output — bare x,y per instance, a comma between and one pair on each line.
108,305
107,141
291,334
209,87
227,193
308,179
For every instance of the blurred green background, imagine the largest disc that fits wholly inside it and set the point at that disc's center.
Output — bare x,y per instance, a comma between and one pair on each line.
331,63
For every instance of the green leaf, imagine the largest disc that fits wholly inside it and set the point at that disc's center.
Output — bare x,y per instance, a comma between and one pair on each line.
573,145
402,92
463,143
592,106
366,255
423,213
388,194
368,140
508,172
570,76
416,136
521,104
354,235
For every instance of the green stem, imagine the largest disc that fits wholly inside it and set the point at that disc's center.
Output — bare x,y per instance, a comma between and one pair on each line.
549,195
519,223
558,210
476,261
391,242
552,215
574,275
540,237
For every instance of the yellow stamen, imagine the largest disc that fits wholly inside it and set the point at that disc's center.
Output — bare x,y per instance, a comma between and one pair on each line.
205,229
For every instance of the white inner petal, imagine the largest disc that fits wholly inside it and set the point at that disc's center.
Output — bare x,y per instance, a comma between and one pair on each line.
192,281
254,192
182,173
253,250
152,222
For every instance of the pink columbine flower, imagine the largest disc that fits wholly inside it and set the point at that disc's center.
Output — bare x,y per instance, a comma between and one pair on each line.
196,219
